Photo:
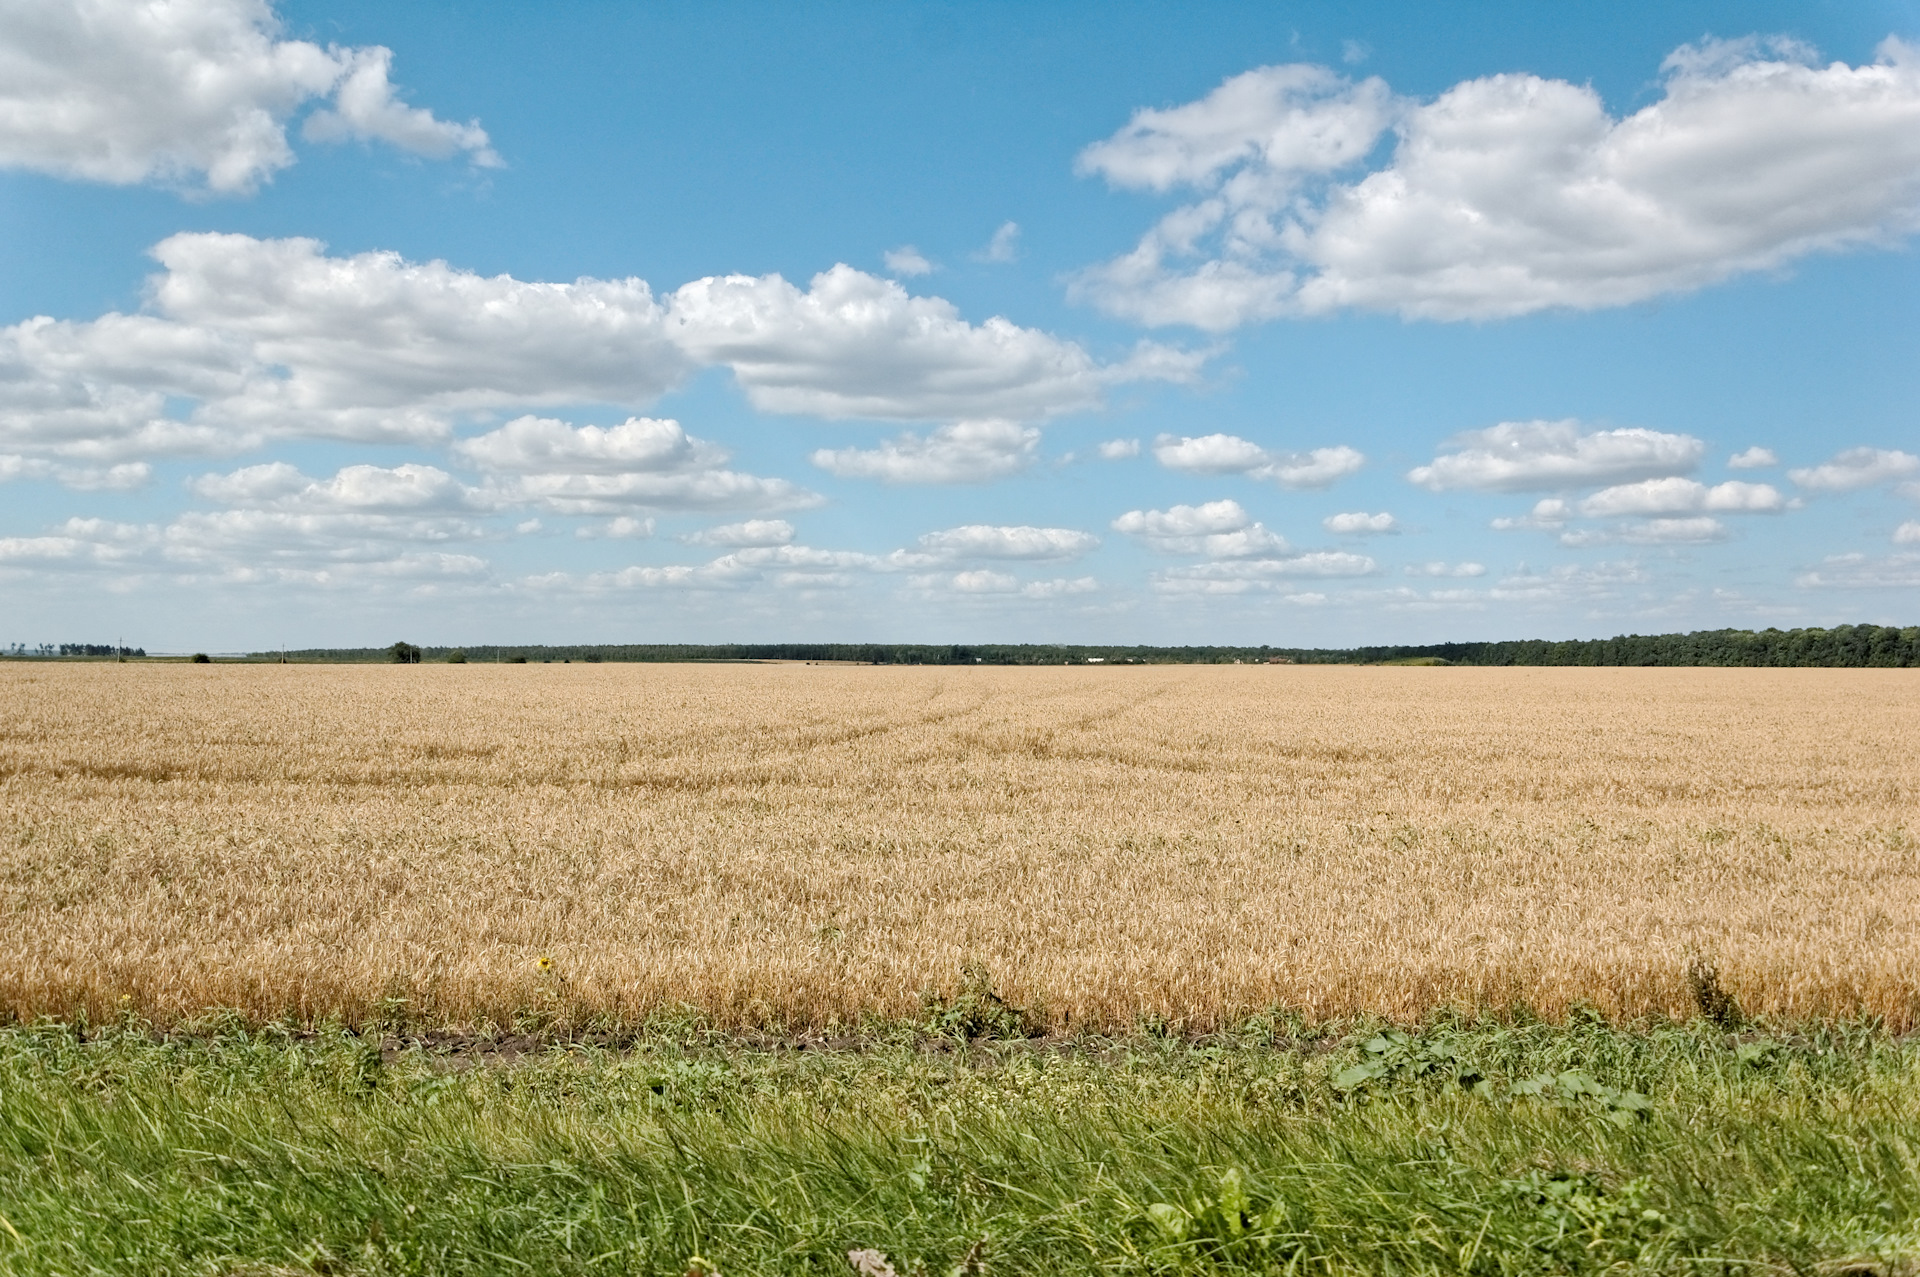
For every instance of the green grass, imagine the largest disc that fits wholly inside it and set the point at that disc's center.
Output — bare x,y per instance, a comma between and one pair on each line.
1464,1148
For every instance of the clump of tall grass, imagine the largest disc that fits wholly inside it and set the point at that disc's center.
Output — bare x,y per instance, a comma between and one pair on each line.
1256,1150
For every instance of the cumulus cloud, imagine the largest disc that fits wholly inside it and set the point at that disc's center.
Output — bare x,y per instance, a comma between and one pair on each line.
1230,454
1857,468
360,488
543,445
644,462
191,91
1754,458
983,581
1907,533
120,478
624,528
1279,123
1598,582
690,490
317,548
1515,456
857,346
1863,572
79,543
986,541
751,532
781,566
964,452
1059,587
1511,193
1683,496
1004,247
249,340
376,347
906,260
1548,514
1690,531
1119,449
97,393
1441,568
1360,523
1218,529
1240,576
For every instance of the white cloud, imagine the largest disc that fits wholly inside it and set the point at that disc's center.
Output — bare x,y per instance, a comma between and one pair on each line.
964,452
906,260
256,339
376,347
1184,520
365,110
1754,458
1230,454
1683,496
1512,193
1438,568
644,462
1239,576
274,338
1209,454
1002,584
1548,514
1596,582
1515,456
1315,469
542,445
1059,587
1004,247
751,532
528,444
122,91
983,581
361,488
985,541
1360,523
96,393
1689,531
1907,533
1860,572
691,490
783,566
81,543
249,544
857,346
1218,529
1280,122
1857,468
624,528
120,478
1119,449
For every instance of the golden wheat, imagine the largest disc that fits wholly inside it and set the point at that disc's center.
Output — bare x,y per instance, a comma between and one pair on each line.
805,845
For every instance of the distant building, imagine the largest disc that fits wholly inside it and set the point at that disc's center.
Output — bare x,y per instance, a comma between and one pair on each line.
1279,660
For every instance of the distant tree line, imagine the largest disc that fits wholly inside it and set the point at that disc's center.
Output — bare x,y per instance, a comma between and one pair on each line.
74,649
1845,646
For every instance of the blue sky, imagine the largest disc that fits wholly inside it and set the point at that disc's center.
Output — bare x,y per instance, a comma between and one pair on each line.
1308,324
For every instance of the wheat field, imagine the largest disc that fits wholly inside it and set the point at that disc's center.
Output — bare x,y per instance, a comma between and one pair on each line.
792,846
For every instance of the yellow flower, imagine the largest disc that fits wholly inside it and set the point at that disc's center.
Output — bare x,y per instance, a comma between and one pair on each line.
546,963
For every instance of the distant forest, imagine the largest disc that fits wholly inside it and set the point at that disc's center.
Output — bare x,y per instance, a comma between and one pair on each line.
1845,646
